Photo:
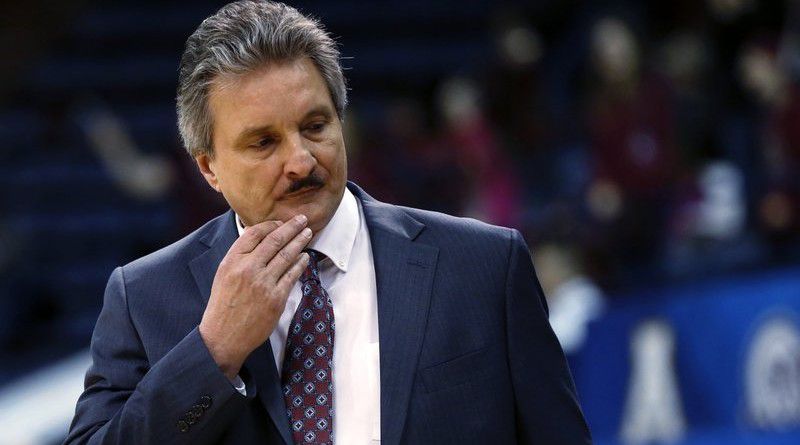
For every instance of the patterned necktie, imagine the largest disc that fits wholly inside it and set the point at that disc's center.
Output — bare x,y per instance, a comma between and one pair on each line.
307,373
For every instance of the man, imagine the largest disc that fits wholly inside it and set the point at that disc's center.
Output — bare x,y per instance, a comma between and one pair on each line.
312,313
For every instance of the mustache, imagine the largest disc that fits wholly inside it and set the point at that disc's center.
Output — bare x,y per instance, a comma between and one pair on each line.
310,181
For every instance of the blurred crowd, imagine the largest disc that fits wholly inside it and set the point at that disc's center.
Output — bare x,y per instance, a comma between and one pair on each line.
661,151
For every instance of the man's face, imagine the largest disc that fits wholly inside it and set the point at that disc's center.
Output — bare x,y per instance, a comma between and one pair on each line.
278,147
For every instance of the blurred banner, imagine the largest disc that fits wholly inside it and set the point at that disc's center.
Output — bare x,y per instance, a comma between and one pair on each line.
711,363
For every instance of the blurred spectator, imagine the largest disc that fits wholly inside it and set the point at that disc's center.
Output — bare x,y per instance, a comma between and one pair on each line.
513,101
766,78
708,232
631,125
685,61
573,298
494,189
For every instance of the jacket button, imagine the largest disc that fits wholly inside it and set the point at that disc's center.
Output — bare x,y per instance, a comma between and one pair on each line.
205,402
183,426
196,411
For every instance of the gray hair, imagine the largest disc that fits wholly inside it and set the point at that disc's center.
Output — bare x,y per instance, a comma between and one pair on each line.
241,37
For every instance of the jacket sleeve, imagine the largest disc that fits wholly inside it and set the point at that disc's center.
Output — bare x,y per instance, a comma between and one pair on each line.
182,398
546,404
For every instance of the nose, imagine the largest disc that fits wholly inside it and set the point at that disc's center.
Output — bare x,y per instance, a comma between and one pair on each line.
300,162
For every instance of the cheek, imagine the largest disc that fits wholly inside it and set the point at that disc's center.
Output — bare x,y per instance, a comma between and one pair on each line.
266,181
333,157
253,180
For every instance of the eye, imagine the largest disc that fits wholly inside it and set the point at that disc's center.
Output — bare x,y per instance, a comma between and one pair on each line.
316,127
263,142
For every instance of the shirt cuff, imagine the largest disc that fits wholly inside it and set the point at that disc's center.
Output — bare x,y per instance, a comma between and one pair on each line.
238,384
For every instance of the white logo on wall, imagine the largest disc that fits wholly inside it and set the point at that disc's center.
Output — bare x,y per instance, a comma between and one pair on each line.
772,375
653,411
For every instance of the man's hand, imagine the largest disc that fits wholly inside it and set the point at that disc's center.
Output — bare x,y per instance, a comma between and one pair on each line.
250,290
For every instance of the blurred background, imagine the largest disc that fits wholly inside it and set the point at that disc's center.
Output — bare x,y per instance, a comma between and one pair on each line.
649,151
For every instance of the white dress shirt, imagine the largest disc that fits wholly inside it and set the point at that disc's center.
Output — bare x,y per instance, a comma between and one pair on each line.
348,274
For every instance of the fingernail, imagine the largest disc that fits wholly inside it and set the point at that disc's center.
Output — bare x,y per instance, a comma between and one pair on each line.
301,219
306,232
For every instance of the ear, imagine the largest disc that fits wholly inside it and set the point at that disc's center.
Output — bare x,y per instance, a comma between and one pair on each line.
205,164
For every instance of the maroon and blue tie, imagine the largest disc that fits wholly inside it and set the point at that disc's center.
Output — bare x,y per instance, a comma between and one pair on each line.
307,373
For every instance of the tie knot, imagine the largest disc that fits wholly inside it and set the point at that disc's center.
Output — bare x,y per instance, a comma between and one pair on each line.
312,270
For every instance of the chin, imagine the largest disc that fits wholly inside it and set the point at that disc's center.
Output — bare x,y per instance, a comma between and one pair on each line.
318,216
319,206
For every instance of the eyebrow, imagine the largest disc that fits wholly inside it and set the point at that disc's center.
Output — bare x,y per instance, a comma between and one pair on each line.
322,110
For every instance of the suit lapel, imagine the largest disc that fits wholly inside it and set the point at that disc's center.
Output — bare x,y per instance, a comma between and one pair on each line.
404,272
260,364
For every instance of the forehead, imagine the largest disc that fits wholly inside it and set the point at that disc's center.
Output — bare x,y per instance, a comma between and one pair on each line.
271,94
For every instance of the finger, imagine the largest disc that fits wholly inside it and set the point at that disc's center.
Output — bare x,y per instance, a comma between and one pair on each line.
253,235
287,280
287,256
269,246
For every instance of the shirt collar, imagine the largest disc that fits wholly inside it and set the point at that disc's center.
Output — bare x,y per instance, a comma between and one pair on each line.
336,239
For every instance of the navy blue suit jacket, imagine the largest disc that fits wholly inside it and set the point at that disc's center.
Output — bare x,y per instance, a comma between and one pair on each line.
466,352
